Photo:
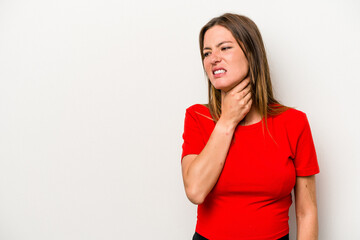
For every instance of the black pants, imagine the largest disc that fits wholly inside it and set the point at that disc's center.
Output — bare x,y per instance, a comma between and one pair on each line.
199,237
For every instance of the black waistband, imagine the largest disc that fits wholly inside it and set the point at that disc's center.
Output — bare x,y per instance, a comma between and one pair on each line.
199,237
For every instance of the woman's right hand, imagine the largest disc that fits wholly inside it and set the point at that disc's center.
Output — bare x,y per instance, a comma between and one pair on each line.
201,171
236,103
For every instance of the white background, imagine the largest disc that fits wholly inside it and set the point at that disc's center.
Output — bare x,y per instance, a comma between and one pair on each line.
92,103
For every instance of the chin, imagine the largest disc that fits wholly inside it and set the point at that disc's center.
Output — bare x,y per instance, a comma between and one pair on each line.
223,87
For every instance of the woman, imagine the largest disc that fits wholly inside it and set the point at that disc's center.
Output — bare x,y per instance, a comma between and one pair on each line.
244,152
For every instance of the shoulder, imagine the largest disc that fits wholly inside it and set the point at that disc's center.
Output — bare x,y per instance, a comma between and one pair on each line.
199,111
292,114
197,106
292,118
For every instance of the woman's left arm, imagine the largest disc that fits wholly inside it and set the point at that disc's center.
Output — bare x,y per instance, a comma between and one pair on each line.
306,208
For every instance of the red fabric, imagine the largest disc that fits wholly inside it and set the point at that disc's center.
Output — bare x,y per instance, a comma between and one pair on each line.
252,197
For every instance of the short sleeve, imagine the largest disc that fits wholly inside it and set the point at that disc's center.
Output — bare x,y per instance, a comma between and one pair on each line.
193,140
305,160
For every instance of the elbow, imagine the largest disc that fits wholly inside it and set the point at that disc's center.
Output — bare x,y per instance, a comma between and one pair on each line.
195,196
306,213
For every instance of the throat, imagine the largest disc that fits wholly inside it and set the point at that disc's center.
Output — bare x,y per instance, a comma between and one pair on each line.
252,117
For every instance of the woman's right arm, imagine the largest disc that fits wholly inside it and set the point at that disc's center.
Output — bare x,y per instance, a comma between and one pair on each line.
201,172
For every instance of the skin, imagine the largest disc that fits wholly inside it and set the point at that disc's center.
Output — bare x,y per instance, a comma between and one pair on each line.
306,208
201,172
221,50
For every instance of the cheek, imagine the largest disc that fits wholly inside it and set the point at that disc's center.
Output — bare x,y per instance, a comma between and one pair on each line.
243,66
207,68
244,63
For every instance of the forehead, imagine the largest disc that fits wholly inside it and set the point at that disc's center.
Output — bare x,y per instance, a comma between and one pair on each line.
217,34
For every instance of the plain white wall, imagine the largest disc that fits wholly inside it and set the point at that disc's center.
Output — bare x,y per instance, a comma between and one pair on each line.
92,104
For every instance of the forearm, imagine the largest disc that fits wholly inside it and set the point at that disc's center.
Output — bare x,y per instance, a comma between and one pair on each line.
307,227
205,170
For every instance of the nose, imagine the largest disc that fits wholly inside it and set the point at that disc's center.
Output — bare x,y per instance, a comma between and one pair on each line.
215,57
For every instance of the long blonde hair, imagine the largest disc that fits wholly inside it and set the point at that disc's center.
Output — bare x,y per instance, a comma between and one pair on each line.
249,39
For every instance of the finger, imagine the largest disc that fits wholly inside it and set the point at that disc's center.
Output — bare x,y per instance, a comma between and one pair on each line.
249,103
247,97
246,90
247,106
240,86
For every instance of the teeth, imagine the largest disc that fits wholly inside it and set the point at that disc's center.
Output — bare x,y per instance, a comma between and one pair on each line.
219,71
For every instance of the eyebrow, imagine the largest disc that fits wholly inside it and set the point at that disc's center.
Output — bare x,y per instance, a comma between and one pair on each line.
218,44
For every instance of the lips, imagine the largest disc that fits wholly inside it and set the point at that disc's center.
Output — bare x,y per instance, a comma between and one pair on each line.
218,72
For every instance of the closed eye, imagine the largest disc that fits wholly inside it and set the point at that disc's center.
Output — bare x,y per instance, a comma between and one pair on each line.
225,48
206,54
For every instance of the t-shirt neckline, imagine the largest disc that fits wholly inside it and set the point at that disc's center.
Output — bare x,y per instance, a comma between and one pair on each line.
246,127
251,126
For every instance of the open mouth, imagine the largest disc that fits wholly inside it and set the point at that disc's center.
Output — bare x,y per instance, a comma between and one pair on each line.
219,72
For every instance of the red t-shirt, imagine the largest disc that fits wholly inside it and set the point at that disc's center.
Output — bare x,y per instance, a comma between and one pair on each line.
252,196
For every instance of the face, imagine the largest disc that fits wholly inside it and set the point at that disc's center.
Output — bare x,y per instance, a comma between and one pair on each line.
224,61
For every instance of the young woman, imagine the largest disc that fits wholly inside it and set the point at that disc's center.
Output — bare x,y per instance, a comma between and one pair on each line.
244,152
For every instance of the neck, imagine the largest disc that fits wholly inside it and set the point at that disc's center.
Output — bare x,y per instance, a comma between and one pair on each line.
252,117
